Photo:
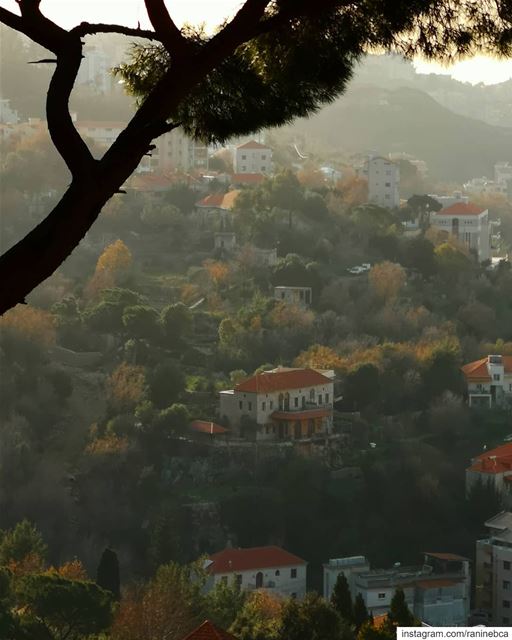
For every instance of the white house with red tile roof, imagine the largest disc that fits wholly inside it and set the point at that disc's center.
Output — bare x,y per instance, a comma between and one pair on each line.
272,568
489,381
283,403
468,224
252,157
493,468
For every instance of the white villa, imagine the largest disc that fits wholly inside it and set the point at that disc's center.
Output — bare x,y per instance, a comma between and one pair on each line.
270,568
283,403
489,381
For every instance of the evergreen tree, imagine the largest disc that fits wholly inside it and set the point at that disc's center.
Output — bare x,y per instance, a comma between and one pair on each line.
107,576
19,543
341,599
399,613
360,613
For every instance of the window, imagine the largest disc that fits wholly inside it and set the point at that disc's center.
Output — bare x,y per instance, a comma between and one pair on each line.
326,398
312,395
238,579
506,565
295,402
293,573
496,376
264,156
263,167
263,406
381,596
278,573
506,604
506,585
244,157
271,404
241,404
388,184
249,406
244,167
319,398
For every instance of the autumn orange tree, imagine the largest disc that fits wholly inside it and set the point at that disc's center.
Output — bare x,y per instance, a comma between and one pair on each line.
273,61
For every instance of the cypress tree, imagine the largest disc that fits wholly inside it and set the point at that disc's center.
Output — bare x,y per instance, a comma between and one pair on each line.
360,614
399,613
107,575
341,599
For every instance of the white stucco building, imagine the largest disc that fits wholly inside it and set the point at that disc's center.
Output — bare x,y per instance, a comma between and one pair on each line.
301,296
489,381
494,468
270,568
468,224
282,403
252,157
493,571
437,592
383,177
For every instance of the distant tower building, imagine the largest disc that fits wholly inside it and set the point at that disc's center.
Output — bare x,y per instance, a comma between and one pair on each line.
253,157
383,177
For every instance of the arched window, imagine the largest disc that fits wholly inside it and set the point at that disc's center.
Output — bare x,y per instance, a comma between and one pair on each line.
287,401
278,573
280,401
312,395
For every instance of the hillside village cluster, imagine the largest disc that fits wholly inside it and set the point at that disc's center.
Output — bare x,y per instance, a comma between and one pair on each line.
292,406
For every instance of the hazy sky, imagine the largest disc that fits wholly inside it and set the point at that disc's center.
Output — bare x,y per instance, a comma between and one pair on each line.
129,12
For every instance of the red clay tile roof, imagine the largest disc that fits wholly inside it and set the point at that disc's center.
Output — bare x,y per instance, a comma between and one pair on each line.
252,144
281,380
203,426
461,209
219,200
230,560
209,631
247,178
444,556
494,461
212,200
436,584
300,415
477,371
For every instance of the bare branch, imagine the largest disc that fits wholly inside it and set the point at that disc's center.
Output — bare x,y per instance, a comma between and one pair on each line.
86,28
63,132
168,33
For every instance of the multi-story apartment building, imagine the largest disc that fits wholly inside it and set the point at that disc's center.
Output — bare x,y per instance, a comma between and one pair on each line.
437,592
468,224
488,381
383,177
252,157
493,571
493,468
282,403
270,568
